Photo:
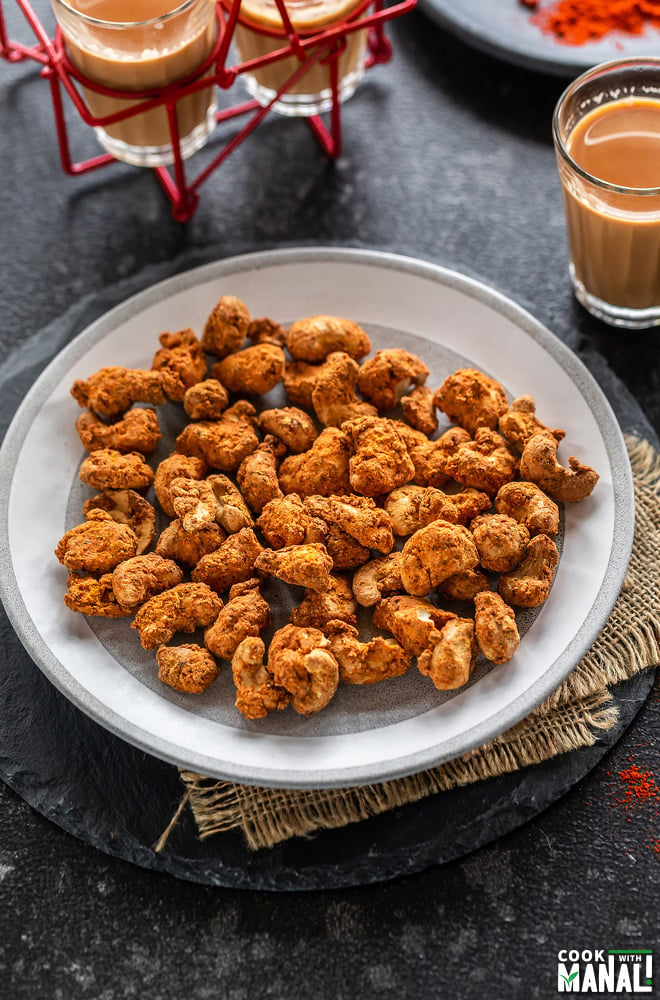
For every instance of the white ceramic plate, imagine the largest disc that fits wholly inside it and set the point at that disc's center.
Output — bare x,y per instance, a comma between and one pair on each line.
505,28
366,734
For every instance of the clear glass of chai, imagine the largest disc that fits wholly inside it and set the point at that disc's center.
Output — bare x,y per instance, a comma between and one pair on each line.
260,32
606,131
142,45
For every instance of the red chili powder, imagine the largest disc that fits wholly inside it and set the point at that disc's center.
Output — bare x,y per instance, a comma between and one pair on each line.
577,22
637,792
639,786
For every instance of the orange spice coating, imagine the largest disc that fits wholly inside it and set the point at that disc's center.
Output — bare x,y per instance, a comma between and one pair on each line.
287,521
528,585
110,392
450,662
205,400
388,375
291,425
495,627
266,331
471,399
221,444
303,565
254,371
299,380
226,326
182,355
324,469
91,596
257,474
457,508
529,505
380,461
539,464
314,338
256,692
435,552
431,458
300,660
520,423
486,463
127,507
317,608
464,586
413,621
358,516
188,547
97,545
402,505
108,469
232,562
187,668
137,579
344,550
365,662
333,392
501,541
182,608
245,614
176,467
378,578
419,410
138,430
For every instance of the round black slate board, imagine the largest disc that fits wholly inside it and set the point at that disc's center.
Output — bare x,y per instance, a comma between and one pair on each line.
119,799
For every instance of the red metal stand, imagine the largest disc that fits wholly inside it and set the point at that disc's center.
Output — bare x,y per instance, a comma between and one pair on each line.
323,47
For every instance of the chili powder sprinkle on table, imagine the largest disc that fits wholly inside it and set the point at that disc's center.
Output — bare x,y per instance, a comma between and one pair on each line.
639,786
638,796
577,22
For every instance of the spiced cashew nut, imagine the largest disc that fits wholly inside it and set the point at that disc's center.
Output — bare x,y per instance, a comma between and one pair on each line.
540,465
300,661
333,395
377,578
365,662
256,692
528,585
520,423
391,373
315,337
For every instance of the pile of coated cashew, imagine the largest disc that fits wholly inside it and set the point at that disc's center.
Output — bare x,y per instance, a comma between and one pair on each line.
349,494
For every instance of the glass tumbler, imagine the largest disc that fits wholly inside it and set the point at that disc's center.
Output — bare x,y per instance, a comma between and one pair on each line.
260,32
606,131
142,45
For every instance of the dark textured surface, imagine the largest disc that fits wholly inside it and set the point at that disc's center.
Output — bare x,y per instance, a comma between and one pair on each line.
447,157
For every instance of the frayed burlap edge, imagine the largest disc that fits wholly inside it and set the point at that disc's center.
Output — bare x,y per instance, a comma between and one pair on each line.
572,717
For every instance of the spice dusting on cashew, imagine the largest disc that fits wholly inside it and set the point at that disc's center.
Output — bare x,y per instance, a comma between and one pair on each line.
350,495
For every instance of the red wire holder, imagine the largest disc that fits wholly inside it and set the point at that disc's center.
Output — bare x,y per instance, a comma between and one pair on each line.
323,47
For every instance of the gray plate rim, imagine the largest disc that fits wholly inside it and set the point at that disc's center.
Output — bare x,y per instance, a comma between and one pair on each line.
504,30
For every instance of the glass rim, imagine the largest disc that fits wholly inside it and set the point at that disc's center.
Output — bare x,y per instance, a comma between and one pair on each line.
100,22
602,69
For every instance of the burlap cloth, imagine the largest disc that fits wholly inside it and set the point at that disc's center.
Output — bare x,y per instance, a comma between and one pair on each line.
572,717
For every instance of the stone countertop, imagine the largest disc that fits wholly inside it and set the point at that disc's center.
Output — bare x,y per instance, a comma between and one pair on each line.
447,157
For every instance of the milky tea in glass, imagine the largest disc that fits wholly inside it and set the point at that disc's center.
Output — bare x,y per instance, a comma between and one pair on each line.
260,31
137,45
607,138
